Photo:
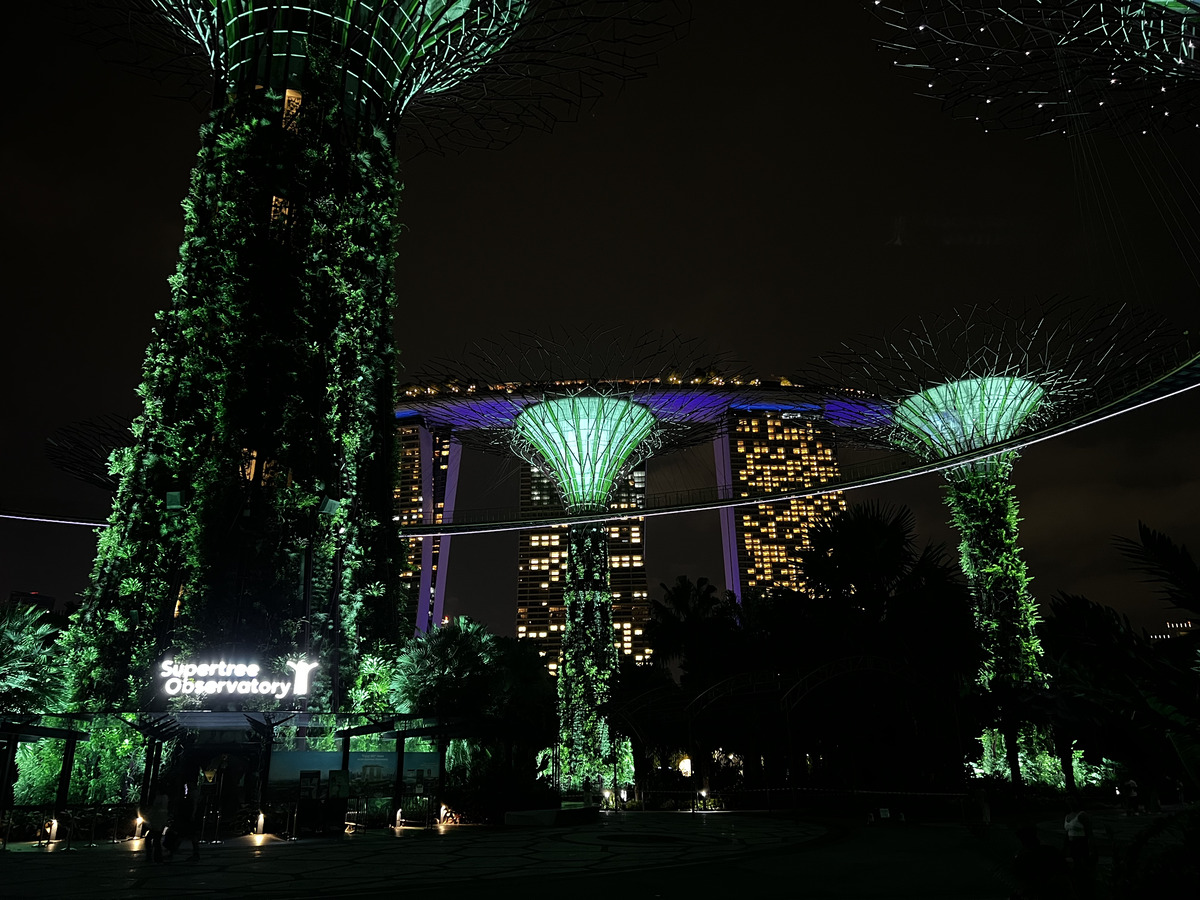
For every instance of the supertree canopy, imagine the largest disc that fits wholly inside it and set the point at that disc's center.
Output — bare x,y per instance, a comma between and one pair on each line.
444,73
586,441
969,414
390,52
968,381
1054,66
252,518
584,409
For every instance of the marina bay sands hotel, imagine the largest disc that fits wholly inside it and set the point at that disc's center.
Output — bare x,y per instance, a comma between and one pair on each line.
772,449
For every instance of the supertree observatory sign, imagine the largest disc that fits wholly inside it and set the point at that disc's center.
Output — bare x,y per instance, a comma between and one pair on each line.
215,678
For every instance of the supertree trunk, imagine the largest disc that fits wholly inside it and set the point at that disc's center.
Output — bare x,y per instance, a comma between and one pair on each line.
983,507
256,495
589,659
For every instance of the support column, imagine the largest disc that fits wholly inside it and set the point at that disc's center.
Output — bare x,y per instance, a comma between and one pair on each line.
64,776
589,658
398,782
983,507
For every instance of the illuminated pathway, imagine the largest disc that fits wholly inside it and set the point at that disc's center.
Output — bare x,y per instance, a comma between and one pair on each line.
371,862
631,855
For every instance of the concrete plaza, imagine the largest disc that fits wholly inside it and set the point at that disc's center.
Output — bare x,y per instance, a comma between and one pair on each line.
625,855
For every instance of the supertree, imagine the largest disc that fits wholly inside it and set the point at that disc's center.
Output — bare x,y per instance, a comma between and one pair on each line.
585,409
253,508
977,378
1054,66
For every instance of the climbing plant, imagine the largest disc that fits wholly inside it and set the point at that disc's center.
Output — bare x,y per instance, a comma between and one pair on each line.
253,512
589,661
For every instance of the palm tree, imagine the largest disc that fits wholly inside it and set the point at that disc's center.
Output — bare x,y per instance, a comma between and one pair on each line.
679,621
1117,695
499,686
1168,565
875,600
445,671
30,681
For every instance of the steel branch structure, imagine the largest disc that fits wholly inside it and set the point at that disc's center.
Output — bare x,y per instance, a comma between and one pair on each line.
446,74
83,449
1054,66
964,382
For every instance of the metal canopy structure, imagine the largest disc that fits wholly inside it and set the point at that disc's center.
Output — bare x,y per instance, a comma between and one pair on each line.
976,377
449,73
576,429
1053,66
1154,372
1174,371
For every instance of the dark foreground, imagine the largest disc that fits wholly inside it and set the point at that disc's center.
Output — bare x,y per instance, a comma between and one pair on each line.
627,855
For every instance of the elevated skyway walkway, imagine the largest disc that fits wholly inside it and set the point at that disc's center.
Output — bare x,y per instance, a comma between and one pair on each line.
1168,374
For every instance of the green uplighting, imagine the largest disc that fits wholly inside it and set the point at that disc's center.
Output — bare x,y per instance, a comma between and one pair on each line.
387,51
1186,7
967,415
585,442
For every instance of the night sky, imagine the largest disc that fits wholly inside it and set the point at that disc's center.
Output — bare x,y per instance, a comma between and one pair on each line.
773,187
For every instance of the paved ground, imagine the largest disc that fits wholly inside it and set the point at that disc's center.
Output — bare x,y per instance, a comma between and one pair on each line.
626,855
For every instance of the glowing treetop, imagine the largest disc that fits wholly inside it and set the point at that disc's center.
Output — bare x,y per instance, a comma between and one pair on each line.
584,409
972,379
968,414
1054,66
459,72
387,51
586,441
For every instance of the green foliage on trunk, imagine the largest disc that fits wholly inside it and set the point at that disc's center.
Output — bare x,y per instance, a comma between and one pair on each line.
1039,763
267,388
589,661
983,507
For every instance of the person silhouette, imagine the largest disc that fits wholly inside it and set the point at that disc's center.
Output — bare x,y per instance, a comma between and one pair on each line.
155,815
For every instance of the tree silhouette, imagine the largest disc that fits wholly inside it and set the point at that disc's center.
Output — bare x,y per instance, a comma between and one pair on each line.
29,679
881,623
683,621
1167,564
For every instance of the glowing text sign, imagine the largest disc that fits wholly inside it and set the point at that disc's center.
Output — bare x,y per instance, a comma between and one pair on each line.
215,678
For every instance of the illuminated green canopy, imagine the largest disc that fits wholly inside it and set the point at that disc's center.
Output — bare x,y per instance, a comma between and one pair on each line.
967,415
583,443
1180,6
387,51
